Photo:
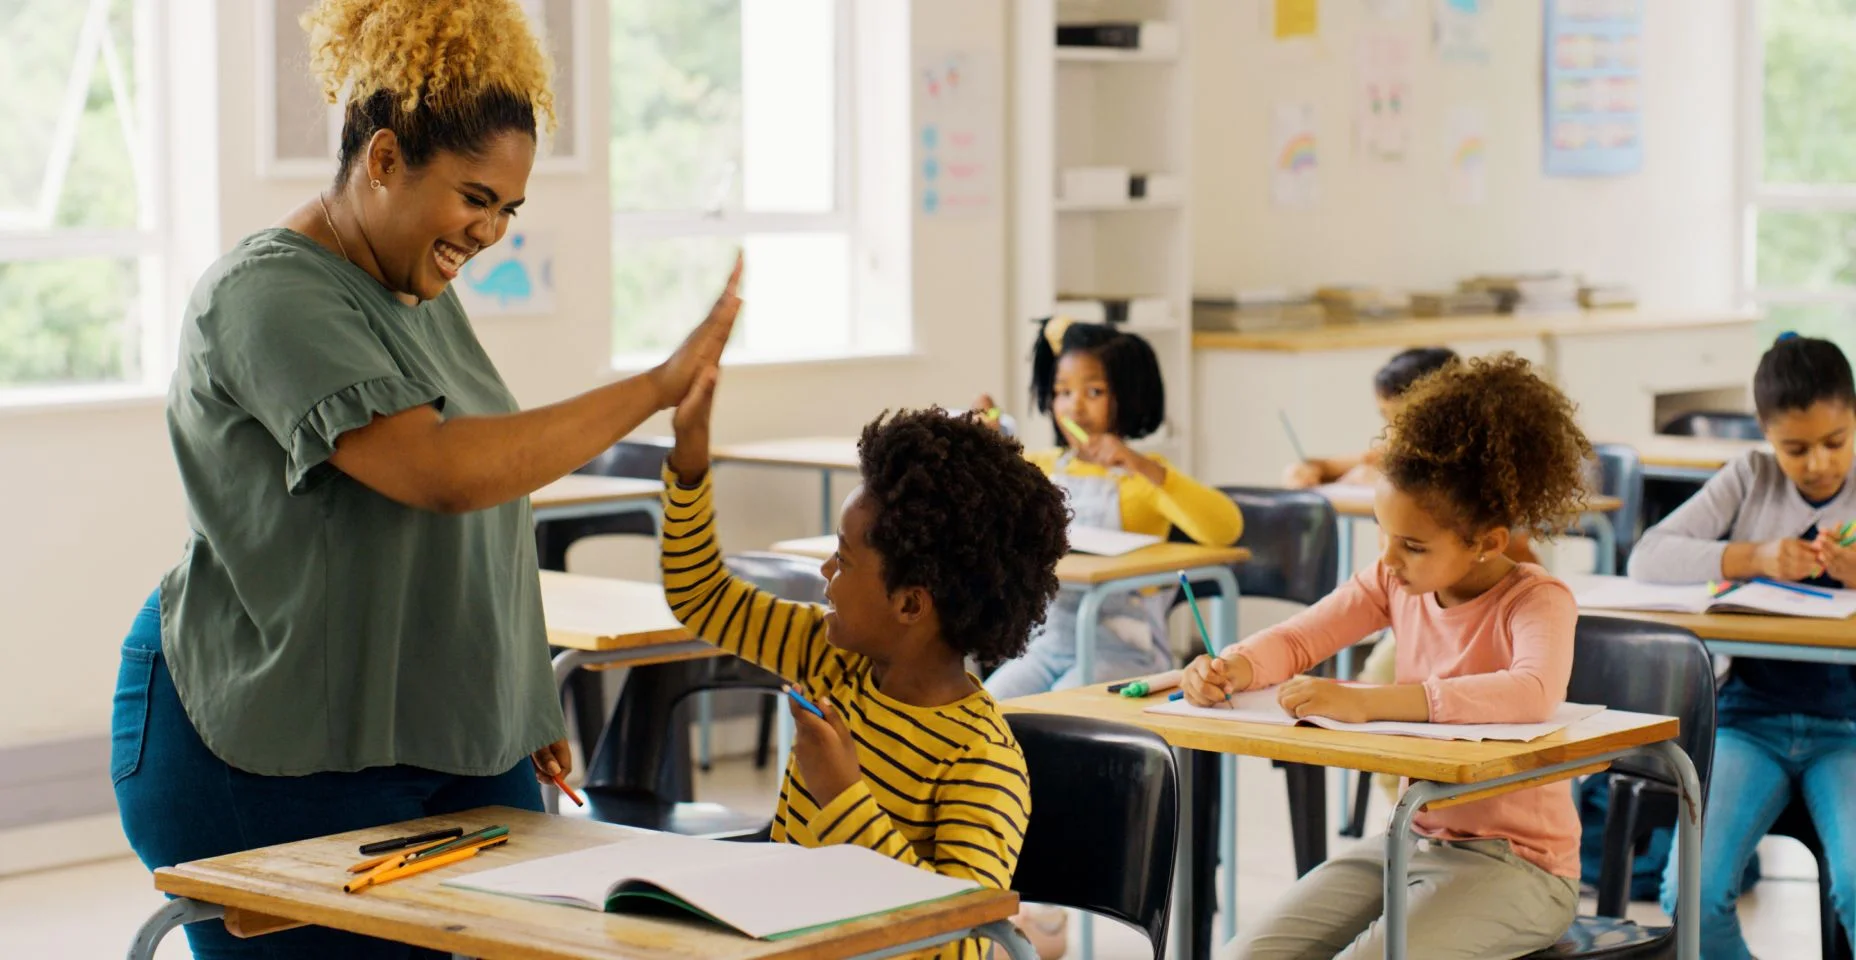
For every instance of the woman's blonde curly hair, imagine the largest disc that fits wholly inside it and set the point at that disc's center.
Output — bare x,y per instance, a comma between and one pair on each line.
442,74
1486,442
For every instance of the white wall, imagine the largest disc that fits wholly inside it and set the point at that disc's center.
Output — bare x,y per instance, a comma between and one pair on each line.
94,508
1668,229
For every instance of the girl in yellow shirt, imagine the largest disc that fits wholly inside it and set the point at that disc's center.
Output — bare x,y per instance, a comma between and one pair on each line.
1107,384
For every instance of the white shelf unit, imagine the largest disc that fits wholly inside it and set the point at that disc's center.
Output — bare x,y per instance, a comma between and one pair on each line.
1081,107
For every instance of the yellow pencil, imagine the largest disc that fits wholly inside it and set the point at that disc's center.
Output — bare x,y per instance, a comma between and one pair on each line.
375,862
399,873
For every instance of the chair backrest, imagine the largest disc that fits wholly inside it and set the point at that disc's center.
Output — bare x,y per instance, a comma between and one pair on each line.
641,459
781,574
1294,542
1104,819
1715,425
1620,475
1648,668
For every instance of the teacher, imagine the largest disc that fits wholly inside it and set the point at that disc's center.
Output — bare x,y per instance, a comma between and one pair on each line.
354,634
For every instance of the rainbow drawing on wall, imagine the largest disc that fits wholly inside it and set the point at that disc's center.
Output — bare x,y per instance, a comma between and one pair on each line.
1297,155
1468,153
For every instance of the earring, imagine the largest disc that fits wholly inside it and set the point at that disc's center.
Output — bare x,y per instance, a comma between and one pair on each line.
375,183
1481,557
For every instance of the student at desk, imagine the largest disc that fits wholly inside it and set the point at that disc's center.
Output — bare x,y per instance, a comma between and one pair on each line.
1478,449
1783,727
949,549
1102,388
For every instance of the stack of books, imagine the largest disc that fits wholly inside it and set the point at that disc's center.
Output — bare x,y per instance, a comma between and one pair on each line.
1257,311
1353,304
1454,303
1607,296
1530,293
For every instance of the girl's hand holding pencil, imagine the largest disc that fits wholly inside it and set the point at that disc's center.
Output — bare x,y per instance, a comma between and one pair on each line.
1210,681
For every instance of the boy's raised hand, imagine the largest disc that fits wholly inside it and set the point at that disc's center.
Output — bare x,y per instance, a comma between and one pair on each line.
981,408
825,751
690,457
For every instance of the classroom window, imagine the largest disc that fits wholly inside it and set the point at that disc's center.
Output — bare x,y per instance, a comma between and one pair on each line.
732,128
1799,165
82,275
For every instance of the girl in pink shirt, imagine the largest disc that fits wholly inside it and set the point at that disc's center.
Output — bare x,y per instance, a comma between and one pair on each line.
1480,447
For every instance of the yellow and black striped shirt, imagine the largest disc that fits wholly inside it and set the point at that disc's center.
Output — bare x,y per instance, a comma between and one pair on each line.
944,788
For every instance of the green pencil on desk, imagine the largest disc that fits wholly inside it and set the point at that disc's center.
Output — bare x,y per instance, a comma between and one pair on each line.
1192,601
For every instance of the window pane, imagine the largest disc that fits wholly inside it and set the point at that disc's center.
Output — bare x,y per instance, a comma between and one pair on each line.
1806,249
1810,91
796,288
64,166
68,321
723,104
1835,322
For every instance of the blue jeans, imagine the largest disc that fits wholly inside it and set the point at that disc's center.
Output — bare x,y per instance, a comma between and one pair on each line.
179,802
1758,763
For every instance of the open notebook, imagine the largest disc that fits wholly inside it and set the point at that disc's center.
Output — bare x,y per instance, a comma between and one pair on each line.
769,891
1260,706
1619,593
1107,543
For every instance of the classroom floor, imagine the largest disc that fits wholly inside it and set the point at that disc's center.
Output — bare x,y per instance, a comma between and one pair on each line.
92,910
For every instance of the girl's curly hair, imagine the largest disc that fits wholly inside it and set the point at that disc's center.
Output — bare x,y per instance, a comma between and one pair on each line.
1487,443
441,76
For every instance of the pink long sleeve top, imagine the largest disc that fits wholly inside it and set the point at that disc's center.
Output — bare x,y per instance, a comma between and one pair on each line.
1503,657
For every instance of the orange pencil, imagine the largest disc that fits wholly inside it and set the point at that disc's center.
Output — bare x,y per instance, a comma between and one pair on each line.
571,795
412,869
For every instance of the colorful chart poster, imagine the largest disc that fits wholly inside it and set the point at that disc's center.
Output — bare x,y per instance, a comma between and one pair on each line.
957,145
1382,101
1295,19
1460,31
1294,178
1593,100
1466,149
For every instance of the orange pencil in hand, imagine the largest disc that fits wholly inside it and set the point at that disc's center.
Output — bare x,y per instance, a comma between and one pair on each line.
571,795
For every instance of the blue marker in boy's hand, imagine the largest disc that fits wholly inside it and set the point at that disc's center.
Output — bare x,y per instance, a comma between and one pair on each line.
800,699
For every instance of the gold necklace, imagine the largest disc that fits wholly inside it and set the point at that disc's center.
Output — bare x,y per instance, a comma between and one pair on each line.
324,204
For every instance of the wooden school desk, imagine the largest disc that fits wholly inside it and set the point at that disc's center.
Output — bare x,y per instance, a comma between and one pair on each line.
824,454
1442,772
1804,639
601,623
1689,458
1355,502
277,888
1098,577
585,495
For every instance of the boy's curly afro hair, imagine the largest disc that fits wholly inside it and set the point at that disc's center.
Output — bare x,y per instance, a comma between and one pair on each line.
960,513
1487,443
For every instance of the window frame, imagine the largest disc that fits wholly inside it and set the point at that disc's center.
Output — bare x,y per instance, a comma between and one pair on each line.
148,243
1754,194
630,227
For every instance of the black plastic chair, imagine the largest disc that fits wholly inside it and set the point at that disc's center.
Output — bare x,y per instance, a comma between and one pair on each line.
640,774
1294,542
638,459
1646,668
1620,475
1104,820
1795,822
1715,425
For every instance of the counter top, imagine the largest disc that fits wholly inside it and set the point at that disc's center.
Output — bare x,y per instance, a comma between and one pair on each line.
1432,331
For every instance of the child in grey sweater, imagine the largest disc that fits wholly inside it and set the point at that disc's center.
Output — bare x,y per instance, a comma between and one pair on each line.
1783,727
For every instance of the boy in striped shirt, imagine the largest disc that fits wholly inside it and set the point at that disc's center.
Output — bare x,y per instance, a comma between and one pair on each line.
948,550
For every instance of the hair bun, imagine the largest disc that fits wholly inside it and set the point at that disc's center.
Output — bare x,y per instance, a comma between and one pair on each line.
1787,335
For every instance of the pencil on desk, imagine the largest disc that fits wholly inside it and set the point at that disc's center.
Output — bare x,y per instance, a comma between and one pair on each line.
412,869
400,855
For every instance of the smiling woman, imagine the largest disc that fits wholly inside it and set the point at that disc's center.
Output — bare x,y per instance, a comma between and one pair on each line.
354,634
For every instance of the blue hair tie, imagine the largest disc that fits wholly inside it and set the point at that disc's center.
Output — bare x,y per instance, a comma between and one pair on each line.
1787,335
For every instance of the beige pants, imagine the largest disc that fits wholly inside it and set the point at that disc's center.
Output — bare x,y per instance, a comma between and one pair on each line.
1469,899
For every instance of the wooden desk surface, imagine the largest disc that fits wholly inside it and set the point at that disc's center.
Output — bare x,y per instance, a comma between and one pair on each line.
1356,500
577,489
1745,627
1692,453
302,882
1444,761
600,614
1431,331
819,453
1080,569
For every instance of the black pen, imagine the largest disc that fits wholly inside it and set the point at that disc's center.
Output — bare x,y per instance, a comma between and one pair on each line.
400,843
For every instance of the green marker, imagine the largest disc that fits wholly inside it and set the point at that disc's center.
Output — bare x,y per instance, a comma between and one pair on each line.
1070,427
